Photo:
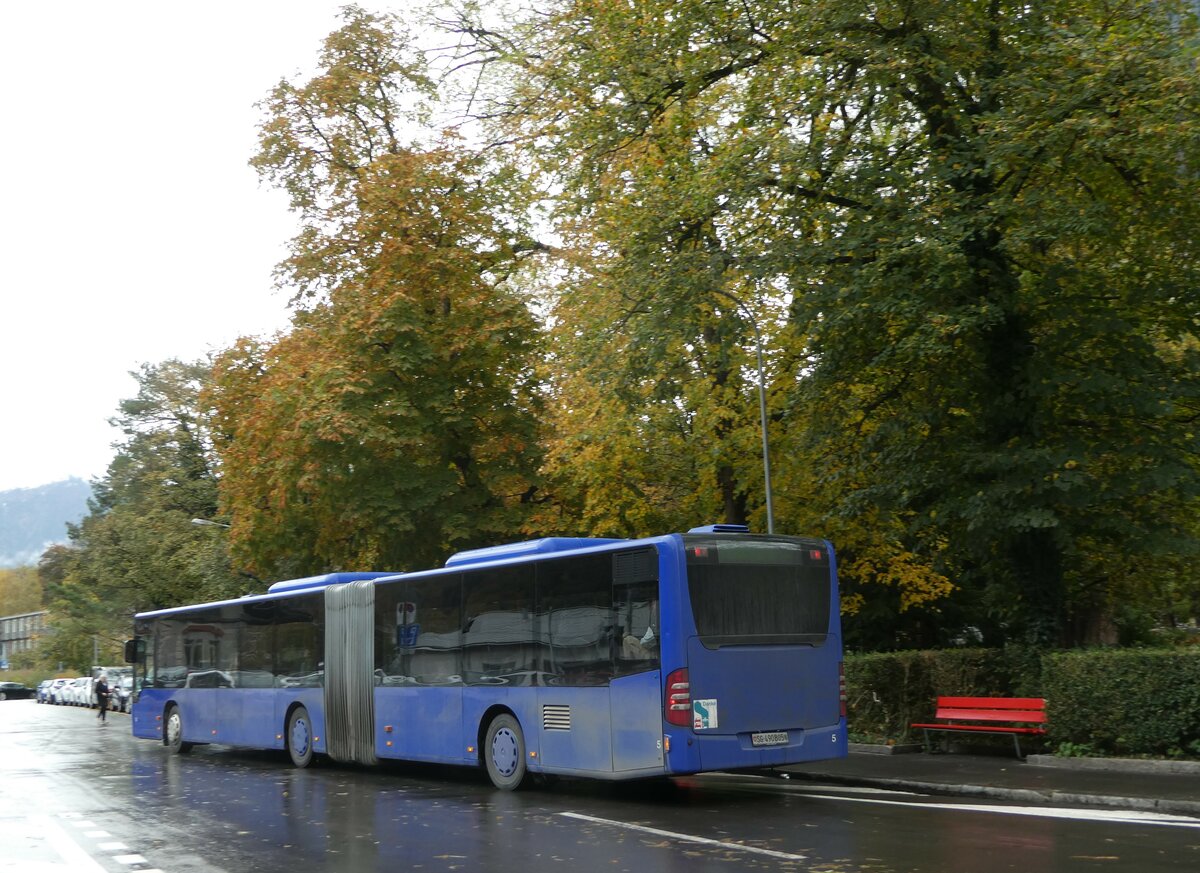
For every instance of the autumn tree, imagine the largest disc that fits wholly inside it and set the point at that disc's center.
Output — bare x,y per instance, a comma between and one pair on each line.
20,591
398,419
977,222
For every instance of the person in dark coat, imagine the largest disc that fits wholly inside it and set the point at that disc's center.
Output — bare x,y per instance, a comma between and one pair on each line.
102,695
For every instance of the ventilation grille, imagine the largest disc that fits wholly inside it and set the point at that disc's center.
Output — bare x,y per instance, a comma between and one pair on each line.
556,717
640,565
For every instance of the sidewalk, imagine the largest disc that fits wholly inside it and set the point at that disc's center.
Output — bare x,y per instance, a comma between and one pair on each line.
1161,786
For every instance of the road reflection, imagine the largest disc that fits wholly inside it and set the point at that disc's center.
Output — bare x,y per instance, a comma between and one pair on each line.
254,806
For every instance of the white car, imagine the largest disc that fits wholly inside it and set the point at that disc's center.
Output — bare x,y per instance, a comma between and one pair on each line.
57,691
122,694
80,693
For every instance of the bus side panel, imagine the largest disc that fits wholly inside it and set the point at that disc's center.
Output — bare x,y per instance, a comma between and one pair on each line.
198,706
146,714
426,724
258,726
574,729
195,707
637,722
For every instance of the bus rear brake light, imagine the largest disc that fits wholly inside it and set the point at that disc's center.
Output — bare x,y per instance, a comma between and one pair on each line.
679,699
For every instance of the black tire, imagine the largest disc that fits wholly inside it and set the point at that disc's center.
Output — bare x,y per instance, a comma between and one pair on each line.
173,732
504,753
300,737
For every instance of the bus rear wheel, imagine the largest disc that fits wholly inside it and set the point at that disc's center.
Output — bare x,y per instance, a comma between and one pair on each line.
299,737
173,732
504,753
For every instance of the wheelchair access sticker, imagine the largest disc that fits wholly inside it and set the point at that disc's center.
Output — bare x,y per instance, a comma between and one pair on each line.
704,714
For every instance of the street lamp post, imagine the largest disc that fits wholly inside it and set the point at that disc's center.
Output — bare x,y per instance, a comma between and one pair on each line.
208,522
762,403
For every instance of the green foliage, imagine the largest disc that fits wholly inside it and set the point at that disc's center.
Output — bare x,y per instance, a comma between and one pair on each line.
1124,702
966,232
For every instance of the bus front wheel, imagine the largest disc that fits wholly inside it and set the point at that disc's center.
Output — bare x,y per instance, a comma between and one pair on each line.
504,753
173,733
299,737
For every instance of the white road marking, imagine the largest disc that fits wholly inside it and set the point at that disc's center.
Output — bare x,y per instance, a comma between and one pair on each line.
129,859
70,851
686,838
1120,816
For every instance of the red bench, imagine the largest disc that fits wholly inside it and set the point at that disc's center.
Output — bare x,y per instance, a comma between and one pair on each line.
1015,716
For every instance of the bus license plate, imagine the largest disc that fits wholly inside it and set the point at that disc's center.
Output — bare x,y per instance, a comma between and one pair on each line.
769,738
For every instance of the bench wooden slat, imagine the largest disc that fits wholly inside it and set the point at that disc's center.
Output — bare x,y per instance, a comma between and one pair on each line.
992,702
985,728
1027,715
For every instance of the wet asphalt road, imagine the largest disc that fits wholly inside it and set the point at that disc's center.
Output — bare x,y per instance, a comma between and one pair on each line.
76,797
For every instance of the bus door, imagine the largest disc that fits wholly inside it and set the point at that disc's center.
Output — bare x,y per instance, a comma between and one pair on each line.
636,692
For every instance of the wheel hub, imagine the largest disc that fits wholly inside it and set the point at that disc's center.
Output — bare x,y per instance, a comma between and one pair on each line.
504,751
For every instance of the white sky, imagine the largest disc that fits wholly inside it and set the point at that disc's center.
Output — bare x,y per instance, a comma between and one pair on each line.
131,227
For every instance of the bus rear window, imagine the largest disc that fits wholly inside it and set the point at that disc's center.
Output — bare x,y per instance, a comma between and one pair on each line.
758,591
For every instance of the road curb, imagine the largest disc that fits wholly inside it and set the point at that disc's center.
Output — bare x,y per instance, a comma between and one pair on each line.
1019,795
1118,765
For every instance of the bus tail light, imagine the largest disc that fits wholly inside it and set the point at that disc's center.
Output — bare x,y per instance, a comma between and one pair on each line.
842,688
679,698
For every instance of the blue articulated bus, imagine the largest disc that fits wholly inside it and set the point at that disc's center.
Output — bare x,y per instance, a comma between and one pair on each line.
717,649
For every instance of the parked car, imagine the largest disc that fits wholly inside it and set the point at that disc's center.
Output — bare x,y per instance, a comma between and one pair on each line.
122,697
56,691
43,690
15,691
77,691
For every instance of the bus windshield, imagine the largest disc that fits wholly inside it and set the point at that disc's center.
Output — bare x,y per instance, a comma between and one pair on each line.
758,591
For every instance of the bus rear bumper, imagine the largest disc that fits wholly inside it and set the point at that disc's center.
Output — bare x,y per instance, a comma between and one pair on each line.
694,752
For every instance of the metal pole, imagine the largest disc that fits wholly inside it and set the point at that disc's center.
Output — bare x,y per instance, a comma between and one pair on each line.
762,405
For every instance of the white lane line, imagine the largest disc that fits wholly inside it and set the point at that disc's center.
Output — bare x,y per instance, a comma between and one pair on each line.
686,838
78,860
130,859
1120,816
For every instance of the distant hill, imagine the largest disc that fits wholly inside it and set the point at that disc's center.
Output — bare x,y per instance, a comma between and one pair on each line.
33,518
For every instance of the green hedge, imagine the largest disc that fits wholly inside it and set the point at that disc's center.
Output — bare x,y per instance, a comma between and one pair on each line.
1102,701
1124,701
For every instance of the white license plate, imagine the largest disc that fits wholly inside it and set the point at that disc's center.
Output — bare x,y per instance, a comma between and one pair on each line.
769,738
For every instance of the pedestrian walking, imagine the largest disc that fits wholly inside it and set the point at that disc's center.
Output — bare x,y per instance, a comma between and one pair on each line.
102,695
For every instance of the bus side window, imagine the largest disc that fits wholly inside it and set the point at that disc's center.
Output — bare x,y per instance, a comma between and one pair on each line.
636,608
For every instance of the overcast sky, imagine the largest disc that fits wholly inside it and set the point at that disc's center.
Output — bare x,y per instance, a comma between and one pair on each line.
131,228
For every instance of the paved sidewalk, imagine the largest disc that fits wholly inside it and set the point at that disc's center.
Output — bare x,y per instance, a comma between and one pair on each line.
1162,786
